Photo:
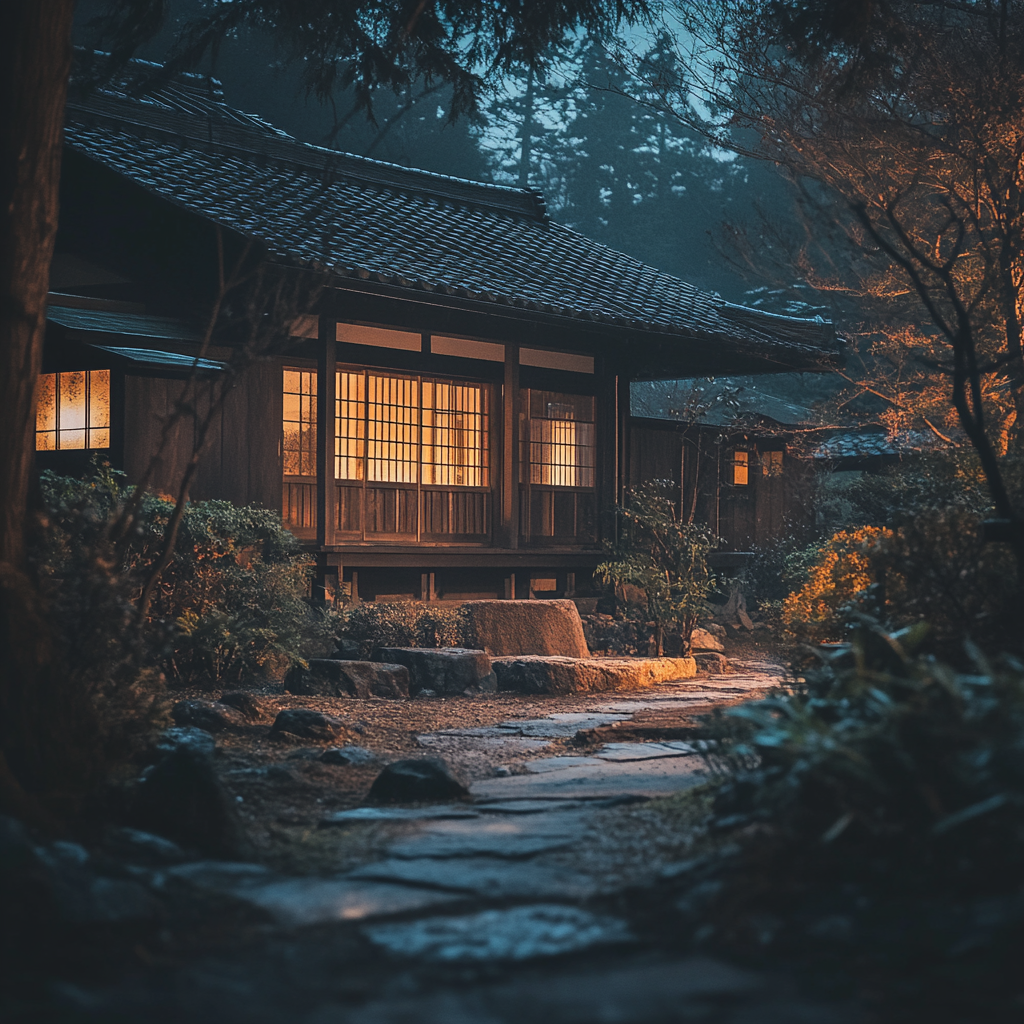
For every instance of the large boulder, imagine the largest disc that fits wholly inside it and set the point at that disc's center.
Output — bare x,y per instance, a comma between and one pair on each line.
329,677
445,670
416,780
307,724
588,675
504,628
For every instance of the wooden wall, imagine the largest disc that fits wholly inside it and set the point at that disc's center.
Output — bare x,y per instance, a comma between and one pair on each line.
241,461
743,516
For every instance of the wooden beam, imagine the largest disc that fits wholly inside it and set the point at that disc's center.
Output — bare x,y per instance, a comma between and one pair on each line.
326,497
507,534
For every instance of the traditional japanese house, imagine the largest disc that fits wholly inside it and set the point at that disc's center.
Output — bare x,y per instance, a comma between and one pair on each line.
450,417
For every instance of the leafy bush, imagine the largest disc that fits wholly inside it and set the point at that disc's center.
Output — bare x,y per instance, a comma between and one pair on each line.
231,603
404,624
883,790
845,567
665,557
779,568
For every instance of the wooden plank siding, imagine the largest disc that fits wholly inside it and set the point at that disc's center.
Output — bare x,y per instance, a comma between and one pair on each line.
700,459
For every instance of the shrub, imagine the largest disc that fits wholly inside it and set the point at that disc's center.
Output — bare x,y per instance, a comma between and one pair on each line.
231,603
404,624
845,567
881,790
665,557
779,568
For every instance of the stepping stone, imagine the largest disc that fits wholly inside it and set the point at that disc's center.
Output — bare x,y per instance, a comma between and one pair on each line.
520,933
502,836
445,670
490,877
357,814
557,764
644,751
304,901
648,778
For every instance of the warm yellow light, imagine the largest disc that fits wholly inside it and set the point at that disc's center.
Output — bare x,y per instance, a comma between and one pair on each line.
73,410
741,468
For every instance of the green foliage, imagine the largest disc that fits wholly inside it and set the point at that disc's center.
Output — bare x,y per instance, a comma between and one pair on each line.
404,624
231,604
882,784
779,568
663,555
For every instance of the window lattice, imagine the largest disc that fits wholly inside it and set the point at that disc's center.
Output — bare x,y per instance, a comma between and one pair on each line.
73,410
299,446
392,429
455,430
387,428
350,418
561,446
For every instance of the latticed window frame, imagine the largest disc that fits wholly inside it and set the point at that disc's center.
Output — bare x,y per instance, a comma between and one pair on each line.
66,421
559,451
299,459
401,449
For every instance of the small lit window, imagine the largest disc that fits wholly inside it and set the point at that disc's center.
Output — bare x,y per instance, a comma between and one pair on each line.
73,410
740,468
561,440
299,423
771,463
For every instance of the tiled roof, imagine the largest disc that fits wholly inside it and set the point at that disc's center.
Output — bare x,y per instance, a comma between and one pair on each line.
105,322
376,222
851,444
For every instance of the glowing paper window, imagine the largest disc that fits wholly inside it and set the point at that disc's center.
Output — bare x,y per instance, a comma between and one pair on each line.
350,435
561,446
740,468
454,434
392,429
299,446
73,410
404,430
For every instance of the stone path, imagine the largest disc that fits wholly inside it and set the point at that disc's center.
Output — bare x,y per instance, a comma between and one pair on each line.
513,883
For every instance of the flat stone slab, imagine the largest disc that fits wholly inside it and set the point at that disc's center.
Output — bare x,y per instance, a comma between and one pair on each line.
295,902
329,677
648,778
489,877
532,674
372,814
519,933
527,627
644,751
444,670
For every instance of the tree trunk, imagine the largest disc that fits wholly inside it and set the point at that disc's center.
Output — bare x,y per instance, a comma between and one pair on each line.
35,62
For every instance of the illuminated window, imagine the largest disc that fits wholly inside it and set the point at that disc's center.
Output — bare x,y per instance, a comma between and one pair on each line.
740,462
392,429
771,463
73,410
561,446
401,429
299,447
454,434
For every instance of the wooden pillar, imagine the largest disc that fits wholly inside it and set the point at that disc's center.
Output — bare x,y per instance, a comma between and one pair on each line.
608,443
326,497
622,442
508,523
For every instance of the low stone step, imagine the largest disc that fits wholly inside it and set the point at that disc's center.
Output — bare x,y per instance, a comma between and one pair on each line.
444,670
331,677
534,674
